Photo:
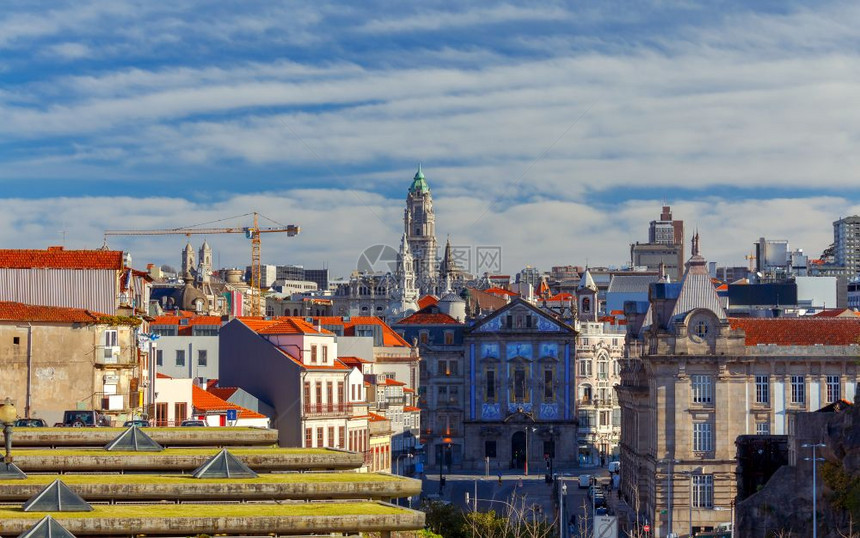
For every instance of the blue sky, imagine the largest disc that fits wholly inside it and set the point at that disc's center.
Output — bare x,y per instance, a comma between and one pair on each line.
554,130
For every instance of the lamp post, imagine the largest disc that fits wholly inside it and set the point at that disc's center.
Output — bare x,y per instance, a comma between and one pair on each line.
669,462
562,492
8,414
397,462
814,488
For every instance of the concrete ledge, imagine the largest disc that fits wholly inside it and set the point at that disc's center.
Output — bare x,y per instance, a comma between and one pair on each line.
183,460
242,519
130,488
213,436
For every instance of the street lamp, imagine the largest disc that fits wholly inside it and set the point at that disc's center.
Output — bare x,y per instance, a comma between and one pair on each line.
397,462
562,492
669,494
814,489
8,414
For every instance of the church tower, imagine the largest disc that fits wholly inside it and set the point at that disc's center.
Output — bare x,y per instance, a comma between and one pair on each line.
586,298
420,227
204,270
188,265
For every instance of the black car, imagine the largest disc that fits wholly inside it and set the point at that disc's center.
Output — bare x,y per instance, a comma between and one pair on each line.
193,423
83,418
136,422
30,423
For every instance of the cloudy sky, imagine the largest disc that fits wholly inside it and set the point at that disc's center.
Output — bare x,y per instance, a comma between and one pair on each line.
553,130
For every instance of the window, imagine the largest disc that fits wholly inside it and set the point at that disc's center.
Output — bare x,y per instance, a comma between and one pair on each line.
762,389
325,354
547,384
452,367
309,437
180,357
110,338
202,360
702,438
441,395
703,490
313,353
762,428
702,388
798,389
16,340
180,411
307,394
833,393
341,395
423,337
320,442
519,384
159,357
604,418
585,394
490,449
331,436
585,367
449,338
341,433
584,421
509,321
602,370
490,388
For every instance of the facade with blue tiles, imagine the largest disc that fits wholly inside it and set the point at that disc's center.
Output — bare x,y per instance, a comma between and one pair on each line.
520,390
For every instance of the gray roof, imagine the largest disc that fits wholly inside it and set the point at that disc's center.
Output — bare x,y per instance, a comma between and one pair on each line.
57,497
134,440
631,283
224,465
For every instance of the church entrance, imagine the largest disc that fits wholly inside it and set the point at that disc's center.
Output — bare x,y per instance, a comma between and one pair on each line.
518,450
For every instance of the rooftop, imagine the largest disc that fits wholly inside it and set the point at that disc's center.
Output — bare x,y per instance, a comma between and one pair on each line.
59,258
799,331
10,311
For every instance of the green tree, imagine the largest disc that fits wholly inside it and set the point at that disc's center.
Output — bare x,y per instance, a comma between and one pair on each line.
444,519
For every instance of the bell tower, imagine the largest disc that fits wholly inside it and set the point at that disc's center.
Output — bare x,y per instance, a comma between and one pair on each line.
419,224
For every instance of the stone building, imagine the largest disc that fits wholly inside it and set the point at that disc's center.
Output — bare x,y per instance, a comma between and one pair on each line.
599,351
696,380
519,390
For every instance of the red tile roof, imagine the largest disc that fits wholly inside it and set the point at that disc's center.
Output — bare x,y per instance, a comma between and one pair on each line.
389,337
799,331
393,382
428,318
407,389
410,409
59,258
193,319
373,417
564,296
206,401
500,291
426,301
837,313
10,311
223,392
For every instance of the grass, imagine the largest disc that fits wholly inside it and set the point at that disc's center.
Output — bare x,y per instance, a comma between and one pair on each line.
275,478
154,511
168,452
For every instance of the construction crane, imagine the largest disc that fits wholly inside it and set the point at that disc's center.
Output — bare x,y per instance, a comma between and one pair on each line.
251,232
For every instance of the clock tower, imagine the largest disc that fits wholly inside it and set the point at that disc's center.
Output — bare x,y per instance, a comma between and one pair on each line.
419,223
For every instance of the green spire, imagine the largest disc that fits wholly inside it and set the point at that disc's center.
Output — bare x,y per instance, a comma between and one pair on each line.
418,183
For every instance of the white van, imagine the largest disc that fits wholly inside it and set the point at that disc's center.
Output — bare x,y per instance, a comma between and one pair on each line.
614,466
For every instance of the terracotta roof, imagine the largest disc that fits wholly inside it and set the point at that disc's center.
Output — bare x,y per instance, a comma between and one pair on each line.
159,375
373,417
837,313
10,311
428,318
59,258
409,409
206,401
193,319
407,389
799,331
426,301
564,296
393,382
223,392
292,326
389,337
500,291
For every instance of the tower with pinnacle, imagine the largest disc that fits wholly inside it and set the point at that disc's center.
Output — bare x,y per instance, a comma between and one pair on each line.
419,223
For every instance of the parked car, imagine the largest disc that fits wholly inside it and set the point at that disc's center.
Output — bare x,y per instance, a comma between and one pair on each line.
79,418
30,423
193,423
140,423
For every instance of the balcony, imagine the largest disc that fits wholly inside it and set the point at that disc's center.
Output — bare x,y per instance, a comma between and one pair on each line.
112,356
328,410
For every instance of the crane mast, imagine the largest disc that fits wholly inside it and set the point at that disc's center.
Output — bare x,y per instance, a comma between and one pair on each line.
251,232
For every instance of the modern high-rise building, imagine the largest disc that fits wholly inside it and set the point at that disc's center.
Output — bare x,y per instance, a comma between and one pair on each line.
665,246
846,240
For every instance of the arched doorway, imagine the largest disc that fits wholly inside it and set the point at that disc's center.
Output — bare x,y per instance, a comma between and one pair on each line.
518,450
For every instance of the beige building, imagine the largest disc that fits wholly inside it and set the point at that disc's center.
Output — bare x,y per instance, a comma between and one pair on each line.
55,359
695,380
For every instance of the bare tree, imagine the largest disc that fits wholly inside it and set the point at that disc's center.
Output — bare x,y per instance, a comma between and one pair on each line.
518,519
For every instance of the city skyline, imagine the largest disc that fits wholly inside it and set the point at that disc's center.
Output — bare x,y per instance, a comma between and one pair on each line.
555,132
